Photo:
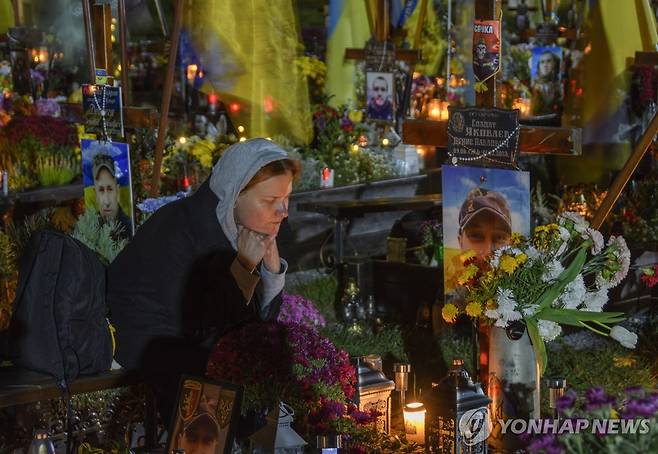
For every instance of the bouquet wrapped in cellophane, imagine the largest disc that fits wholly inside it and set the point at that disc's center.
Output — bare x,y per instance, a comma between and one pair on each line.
559,276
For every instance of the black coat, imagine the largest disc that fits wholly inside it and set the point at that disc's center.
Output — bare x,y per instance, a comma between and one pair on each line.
172,281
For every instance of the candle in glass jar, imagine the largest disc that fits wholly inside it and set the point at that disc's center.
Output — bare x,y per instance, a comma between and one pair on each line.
414,422
434,109
523,104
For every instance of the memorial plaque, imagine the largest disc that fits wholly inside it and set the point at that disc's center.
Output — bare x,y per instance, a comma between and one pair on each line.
380,56
488,137
103,113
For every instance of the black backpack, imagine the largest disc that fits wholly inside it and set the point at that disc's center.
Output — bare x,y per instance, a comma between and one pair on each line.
59,326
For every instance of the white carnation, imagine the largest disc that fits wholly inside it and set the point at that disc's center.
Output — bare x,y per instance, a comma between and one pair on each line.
530,310
548,330
594,301
553,271
573,294
579,222
597,240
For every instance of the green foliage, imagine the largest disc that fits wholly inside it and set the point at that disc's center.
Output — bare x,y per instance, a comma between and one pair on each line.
608,365
387,343
56,170
383,443
99,236
322,292
639,218
452,347
544,206
21,233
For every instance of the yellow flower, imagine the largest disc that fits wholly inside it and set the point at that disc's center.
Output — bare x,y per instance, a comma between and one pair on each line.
624,361
467,274
507,264
355,116
449,313
488,277
517,238
467,255
614,414
521,258
473,309
490,304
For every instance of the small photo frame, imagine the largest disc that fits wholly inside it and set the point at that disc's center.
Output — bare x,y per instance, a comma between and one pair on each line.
546,83
380,89
207,413
107,181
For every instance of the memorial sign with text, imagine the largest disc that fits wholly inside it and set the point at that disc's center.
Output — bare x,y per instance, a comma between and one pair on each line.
488,137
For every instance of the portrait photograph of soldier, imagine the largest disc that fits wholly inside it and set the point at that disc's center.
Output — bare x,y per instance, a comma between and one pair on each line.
107,182
482,209
205,418
546,81
380,89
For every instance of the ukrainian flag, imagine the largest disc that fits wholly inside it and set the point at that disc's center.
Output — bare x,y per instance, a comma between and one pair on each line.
347,28
617,29
6,16
248,50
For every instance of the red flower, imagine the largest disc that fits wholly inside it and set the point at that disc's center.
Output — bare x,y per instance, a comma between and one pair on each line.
650,276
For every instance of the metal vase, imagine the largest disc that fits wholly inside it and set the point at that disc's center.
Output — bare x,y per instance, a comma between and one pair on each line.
512,382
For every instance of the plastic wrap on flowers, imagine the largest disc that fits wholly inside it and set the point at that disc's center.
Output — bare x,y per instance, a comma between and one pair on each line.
292,363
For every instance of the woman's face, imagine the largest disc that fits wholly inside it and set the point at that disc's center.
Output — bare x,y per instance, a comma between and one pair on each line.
484,234
264,206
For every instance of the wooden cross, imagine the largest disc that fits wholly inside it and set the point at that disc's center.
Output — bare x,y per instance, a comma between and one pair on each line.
98,33
381,32
532,139
99,47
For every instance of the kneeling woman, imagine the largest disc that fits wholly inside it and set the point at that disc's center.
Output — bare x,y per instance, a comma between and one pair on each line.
201,266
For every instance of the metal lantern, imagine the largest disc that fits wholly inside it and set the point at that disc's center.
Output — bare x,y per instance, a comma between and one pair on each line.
41,444
373,391
277,436
457,418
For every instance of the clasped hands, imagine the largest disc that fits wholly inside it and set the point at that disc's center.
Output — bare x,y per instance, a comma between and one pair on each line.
254,247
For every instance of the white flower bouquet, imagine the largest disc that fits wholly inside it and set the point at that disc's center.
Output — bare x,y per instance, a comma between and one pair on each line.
559,276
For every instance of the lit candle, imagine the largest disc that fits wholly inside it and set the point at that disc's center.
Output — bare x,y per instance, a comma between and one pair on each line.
434,109
523,104
414,422
444,110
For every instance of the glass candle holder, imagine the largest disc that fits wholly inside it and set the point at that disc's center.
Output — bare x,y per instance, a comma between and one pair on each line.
414,422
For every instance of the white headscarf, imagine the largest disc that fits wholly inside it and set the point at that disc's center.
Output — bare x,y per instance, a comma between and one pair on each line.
237,166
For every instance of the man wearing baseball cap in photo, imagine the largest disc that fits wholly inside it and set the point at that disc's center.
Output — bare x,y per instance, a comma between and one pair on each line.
106,189
200,435
484,222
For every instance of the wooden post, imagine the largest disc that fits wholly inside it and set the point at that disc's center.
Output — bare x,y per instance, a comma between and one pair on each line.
125,64
166,98
625,174
487,10
89,35
102,17
381,21
17,12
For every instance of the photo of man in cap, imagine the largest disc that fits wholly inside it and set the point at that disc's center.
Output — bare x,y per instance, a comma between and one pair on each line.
485,223
482,209
200,435
106,188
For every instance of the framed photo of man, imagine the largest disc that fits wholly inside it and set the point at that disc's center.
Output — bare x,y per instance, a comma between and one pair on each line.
107,182
482,209
546,83
206,416
380,89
